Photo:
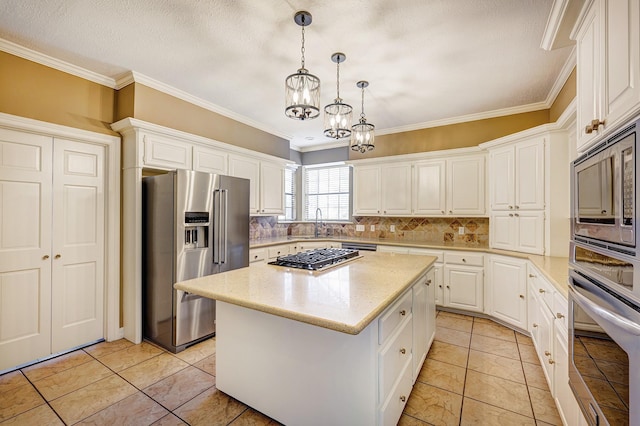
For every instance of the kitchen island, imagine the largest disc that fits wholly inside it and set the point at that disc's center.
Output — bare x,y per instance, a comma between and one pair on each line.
341,346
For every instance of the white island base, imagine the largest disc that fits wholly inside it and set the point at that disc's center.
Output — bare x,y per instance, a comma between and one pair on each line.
301,374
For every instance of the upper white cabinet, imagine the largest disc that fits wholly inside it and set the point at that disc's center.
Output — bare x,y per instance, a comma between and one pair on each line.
266,183
395,182
465,185
516,176
210,160
166,153
452,186
429,195
608,59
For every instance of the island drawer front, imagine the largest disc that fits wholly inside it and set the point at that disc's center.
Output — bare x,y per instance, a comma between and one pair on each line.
274,252
462,258
257,255
392,408
394,356
391,319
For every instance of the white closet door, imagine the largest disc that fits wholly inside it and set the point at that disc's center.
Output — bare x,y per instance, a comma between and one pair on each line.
78,244
25,247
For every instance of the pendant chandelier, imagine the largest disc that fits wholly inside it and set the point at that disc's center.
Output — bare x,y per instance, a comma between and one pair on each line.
362,134
337,116
302,90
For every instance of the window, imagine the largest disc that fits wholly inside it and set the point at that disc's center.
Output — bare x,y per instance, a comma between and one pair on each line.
289,194
327,188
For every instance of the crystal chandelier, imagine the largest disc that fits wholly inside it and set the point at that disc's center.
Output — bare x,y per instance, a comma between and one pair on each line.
302,90
362,134
337,116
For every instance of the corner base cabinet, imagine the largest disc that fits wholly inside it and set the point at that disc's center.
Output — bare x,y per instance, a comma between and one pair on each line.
372,373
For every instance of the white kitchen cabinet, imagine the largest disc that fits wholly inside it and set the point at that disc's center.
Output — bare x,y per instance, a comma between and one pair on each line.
465,185
438,272
210,160
516,176
464,281
366,190
429,183
53,250
258,255
431,307
568,407
274,252
271,188
507,290
266,183
518,230
395,183
166,153
608,59
541,320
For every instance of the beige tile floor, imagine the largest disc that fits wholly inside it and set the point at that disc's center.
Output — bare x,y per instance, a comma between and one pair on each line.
477,372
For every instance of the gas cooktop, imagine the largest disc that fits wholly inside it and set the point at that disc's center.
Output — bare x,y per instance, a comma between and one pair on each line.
315,260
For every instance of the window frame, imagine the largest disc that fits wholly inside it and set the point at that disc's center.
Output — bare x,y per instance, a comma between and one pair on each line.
305,195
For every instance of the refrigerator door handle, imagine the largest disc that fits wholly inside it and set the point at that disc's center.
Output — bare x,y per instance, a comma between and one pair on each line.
226,224
217,221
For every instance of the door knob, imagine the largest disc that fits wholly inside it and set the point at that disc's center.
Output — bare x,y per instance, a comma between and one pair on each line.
403,351
57,256
559,315
547,353
522,296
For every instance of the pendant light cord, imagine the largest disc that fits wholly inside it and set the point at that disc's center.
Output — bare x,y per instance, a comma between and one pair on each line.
302,48
362,105
338,79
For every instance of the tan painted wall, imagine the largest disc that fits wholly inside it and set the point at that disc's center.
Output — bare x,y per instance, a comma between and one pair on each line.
160,108
564,98
459,135
31,90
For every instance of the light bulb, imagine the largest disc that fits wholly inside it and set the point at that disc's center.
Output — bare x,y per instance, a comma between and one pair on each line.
305,95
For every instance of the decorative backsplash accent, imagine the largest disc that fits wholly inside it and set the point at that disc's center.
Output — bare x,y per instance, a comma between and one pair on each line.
439,230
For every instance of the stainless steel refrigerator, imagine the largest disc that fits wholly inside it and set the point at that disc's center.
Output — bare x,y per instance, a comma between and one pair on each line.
194,224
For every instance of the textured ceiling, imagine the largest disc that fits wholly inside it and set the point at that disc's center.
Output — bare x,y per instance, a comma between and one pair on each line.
425,60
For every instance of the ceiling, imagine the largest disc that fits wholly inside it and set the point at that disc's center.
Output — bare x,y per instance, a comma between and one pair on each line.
427,61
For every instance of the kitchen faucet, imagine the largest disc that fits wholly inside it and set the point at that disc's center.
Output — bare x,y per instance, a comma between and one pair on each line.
316,232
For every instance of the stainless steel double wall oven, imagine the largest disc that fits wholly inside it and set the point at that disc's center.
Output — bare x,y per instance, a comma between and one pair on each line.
604,281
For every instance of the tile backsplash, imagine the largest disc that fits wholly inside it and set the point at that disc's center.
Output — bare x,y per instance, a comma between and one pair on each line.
440,230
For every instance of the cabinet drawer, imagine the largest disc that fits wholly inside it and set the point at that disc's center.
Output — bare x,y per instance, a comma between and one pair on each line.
257,255
543,288
394,357
274,252
391,319
462,258
561,308
394,405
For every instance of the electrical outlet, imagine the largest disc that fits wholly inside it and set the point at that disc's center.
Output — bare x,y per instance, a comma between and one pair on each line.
461,230
373,228
392,228
360,228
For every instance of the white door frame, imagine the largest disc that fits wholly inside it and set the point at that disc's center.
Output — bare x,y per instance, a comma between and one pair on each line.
112,331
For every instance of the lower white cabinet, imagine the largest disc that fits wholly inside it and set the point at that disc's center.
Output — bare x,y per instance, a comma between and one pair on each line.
257,255
424,320
464,281
507,290
568,407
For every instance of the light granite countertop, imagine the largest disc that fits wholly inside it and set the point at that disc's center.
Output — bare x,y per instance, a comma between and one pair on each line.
345,298
554,268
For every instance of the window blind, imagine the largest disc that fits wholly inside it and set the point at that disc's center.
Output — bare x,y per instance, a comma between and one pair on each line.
327,188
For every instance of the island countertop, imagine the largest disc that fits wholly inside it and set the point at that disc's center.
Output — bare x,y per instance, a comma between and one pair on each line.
345,298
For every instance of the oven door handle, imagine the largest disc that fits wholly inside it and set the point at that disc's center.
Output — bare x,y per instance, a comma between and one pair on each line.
594,309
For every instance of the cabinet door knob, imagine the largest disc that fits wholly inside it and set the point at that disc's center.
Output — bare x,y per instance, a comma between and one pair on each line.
522,296
428,282
531,276
551,361
593,126
57,256
464,260
547,353
403,398
45,257
559,315
510,214
403,312
450,211
510,207
442,211
403,351
517,207
440,285
541,290
448,287
535,325
385,212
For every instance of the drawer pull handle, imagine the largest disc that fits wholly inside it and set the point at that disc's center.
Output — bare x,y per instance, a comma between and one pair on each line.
403,351
403,398
541,290
522,296
57,256
403,312
559,315
428,282
464,260
535,325
531,276
547,353
551,361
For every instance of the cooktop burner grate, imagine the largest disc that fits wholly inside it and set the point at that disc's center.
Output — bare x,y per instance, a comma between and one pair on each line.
314,260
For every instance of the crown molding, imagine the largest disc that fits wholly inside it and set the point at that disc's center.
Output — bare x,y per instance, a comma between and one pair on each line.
51,62
565,72
320,147
136,77
11,121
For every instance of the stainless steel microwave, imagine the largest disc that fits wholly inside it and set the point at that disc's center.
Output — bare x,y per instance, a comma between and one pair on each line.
605,192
